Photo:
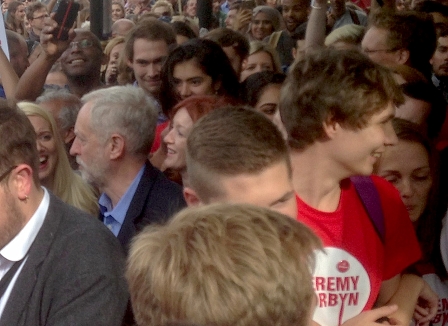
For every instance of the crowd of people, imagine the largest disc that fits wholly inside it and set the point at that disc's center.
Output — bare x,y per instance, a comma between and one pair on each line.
258,162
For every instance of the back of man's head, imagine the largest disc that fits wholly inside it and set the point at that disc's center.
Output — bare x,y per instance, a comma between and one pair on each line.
18,137
410,30
63,105
125,110
121,27
18,52
149,29
228,142
223,265
333,85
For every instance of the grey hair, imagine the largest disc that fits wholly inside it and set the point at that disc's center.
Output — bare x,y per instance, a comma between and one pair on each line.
126,110
69,111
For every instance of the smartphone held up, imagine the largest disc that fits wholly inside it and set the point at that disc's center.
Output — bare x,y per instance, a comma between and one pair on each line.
65,16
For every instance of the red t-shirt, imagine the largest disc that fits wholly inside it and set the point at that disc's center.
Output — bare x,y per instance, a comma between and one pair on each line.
348,277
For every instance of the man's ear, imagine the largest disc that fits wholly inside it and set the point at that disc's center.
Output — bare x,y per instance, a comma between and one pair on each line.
129,63
217,86
116,145
330,127
191,197
403,56
23,180
69,135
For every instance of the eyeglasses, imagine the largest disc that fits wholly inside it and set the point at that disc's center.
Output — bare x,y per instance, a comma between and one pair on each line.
83,44
4,175
41,16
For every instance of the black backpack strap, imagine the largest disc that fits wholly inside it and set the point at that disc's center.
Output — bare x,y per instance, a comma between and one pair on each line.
370,198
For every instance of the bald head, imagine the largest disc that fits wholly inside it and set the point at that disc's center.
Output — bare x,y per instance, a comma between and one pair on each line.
121,27
18,52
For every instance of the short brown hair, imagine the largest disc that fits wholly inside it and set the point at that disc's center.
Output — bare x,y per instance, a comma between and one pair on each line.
227,37
223,264
231,141
33,7
18,143
341,86
409,30
149,29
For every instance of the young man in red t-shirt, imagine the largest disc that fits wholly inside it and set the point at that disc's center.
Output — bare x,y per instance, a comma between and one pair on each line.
337,109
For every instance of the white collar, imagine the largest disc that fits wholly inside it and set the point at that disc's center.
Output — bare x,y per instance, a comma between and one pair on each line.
18,247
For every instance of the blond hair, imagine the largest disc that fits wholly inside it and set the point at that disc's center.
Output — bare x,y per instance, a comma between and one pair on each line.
163,3
223,264
67,185
257,46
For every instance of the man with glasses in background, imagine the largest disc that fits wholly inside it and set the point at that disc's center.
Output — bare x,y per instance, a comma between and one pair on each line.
81,61
36,12
400,38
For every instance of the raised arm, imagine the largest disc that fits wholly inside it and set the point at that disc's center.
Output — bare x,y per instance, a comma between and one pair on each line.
31,83
8,75
317,22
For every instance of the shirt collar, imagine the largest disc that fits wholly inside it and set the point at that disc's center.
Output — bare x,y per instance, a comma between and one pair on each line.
119,211
19,246
435,80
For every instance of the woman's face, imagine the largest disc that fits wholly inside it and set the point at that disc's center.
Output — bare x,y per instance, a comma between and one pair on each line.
189,79
261,26
46,147
268,105
406,166
257,62
176,140
19,14
117,12
115,54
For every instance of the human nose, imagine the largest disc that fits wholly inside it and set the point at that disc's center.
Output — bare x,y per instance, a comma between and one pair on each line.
74,150
184,90
153,70
168,139
390,137
406,188
39,145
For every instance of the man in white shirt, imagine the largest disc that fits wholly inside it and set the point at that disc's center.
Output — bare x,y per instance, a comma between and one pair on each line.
58,265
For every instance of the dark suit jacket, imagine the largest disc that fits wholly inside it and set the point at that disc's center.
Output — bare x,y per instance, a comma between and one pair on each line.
155,201
73,274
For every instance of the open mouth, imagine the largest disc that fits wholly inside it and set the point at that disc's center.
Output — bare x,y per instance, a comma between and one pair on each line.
77,61
43,160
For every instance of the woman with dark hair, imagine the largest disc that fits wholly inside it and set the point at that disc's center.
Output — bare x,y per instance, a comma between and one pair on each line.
183,32
262,92
15,18
410,166
197,67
